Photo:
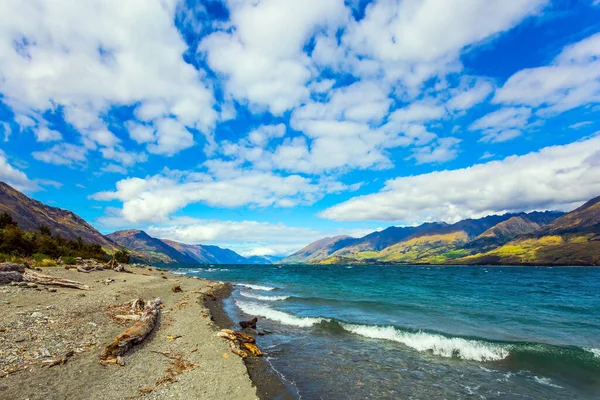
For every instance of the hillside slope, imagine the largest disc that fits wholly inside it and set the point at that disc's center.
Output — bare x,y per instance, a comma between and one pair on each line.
148,248
30,214
572,239
320,249
207,254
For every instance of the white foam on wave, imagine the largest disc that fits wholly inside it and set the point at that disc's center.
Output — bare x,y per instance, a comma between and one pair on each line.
595,352
257,309
437,344
546,381
216,269
265,298
255,287
188,271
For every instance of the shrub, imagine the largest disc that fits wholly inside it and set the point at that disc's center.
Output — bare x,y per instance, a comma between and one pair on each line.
122,257
69,260
47,263
41,256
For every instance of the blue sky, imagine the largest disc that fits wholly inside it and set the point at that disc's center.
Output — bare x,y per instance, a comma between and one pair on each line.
262,125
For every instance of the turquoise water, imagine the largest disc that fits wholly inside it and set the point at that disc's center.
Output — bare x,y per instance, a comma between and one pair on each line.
387,332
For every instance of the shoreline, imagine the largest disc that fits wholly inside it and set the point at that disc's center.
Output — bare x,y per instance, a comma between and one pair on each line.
268,382
51,339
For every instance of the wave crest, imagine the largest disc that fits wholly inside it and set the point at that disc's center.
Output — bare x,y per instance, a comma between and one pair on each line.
274,315
265,298
437,344
255,287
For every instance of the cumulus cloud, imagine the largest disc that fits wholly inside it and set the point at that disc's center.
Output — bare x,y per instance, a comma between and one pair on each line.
247,237
556,177
503,124
571,80
261,54
88,57
155,198
15,177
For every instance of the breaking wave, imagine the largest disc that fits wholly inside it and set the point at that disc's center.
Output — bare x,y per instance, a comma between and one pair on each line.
450,347
255,287
265,298
257,309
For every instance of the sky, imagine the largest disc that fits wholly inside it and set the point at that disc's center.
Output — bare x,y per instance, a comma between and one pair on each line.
263,125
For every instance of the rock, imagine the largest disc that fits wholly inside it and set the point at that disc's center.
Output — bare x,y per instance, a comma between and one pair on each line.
11,277
176,289
23,284
12,267
32,285
36,314
249,324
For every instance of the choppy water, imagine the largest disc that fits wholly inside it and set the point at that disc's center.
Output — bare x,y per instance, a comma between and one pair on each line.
379,332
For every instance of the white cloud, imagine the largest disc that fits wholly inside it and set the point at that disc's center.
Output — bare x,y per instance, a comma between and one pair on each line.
571,80
6,129
414,40
442,150
90,56
260,52
557,177
156,197
14,177
114,168
44,134
63,154
246,237
503,124
469,95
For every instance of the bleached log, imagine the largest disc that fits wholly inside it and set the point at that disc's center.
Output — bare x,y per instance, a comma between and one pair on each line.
134,335
36,277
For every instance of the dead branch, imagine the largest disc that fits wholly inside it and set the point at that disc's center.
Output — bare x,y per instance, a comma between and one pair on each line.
134,335
36,277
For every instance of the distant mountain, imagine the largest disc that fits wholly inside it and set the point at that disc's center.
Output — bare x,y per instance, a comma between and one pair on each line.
583,220
148,249
264,259
320,249
30,214
549,237
572,239
206,254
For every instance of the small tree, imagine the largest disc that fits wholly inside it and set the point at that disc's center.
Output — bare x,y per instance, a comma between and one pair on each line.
45,231
122,256
6,220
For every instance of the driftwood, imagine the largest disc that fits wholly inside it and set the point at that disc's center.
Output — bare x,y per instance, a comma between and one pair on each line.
235,349
244,338
133,317
252,349
240,343
88,268
11,272
36,277
134,335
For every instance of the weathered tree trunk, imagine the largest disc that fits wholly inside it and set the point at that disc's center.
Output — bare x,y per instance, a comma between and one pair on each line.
134,335
31,276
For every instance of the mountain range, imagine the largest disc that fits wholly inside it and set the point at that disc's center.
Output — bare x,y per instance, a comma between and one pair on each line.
549,237
30,214
545,238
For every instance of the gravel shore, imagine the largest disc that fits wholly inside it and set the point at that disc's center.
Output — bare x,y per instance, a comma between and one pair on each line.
183,358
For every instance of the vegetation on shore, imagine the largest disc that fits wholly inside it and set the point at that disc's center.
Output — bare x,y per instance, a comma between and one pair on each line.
41,247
